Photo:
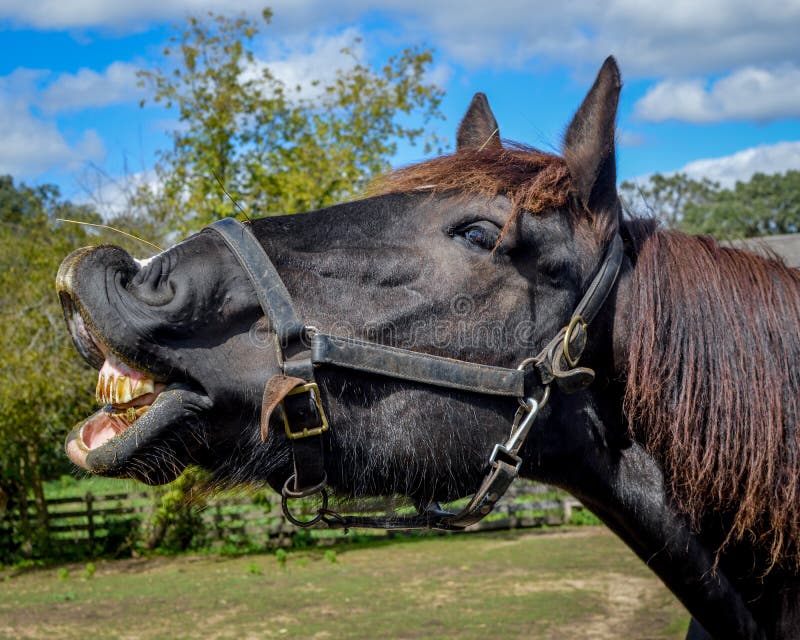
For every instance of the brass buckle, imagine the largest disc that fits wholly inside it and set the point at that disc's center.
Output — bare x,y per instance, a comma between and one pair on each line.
313,389
573,323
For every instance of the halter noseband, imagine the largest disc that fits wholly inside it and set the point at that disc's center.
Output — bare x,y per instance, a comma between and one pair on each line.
302,348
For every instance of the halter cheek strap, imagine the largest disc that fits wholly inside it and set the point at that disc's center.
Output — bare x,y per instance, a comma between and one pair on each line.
301,349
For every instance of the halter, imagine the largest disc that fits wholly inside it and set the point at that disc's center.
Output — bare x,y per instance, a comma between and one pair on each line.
302,348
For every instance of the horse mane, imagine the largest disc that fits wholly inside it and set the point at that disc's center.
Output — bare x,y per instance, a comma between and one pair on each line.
713,386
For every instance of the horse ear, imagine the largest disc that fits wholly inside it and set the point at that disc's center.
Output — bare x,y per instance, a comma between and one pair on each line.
478,128
589,141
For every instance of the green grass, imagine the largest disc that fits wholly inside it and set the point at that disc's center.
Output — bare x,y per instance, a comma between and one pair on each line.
573,584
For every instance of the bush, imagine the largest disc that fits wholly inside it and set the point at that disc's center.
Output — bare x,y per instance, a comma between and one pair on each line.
176,523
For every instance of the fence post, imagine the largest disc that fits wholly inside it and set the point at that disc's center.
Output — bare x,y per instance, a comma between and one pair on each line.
90,516
566,510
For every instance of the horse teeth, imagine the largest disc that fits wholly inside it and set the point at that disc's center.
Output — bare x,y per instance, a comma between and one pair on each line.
119,391
144,386
113,389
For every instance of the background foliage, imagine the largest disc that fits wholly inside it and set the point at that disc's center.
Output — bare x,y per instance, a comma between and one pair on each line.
763,206
276,149
43,387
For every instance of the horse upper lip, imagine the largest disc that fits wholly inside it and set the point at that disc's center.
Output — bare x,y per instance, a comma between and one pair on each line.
91,348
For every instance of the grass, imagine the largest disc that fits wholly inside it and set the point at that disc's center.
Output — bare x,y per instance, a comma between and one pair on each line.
579,583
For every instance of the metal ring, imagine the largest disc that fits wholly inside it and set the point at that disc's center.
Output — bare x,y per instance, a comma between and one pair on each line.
573,323
524,364
307,523
524,402
303,493
545,397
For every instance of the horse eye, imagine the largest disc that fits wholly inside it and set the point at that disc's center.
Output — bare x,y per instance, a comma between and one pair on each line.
481,235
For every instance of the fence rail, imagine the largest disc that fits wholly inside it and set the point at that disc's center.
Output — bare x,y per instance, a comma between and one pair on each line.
91,521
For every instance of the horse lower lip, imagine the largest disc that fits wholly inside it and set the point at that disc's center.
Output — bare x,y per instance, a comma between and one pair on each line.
108,424
106,444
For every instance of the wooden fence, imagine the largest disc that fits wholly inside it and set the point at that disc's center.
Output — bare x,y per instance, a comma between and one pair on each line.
104,524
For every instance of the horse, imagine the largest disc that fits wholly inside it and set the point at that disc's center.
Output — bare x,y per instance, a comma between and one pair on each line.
389,345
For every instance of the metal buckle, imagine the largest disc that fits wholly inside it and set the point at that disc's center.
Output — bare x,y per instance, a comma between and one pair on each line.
313,389
573,323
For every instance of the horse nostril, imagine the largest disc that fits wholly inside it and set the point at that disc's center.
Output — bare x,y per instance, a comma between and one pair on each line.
154,295
151,283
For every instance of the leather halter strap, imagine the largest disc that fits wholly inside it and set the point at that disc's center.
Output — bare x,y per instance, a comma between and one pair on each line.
270,290
302,349
415,366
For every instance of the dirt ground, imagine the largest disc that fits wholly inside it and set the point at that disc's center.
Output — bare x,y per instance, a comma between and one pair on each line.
581,584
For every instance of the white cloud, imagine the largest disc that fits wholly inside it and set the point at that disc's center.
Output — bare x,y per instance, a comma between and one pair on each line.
110,195
737,167
651,38
122,16
296,61
775,158
628,138
29,144
439,75
89,88
30,140
749,93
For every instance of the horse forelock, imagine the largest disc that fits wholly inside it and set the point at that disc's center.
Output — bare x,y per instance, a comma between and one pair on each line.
533,180
713,387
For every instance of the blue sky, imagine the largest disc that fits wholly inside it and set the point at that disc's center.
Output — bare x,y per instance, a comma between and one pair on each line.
711,88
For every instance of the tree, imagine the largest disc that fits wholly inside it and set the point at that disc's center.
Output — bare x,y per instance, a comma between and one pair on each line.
666,197
765,205
43,386
275,148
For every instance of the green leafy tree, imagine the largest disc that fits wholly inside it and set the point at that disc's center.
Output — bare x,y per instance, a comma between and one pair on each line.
763,206
275,148
43,386
667,197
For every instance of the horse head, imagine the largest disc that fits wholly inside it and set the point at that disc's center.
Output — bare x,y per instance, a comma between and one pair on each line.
479,256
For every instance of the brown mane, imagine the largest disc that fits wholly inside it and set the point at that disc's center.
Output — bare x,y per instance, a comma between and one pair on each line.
713,385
